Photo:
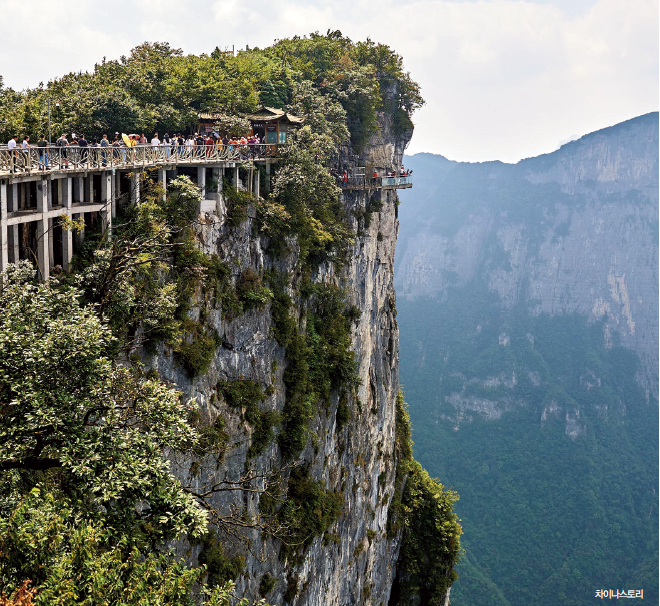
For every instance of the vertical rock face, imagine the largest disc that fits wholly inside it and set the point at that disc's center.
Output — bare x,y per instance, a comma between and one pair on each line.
574,231
355,562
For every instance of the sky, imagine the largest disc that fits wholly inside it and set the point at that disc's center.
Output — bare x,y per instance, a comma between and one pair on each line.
502,79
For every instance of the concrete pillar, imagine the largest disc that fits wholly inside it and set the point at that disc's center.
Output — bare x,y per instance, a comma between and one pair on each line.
235,179
89,187
106,195
162,178
267,177
12,197
4,244
256,182
201,180
15,244
135,187
66,199
51,242
43,234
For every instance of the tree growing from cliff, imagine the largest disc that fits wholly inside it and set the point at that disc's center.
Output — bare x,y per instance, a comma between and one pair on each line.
86,495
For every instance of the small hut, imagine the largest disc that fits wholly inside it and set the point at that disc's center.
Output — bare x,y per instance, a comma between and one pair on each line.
272,124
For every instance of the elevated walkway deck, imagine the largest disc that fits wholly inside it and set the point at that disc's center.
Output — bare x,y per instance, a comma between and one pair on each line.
21,162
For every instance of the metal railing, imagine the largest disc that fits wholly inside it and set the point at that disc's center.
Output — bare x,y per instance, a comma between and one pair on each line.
363,182
35,159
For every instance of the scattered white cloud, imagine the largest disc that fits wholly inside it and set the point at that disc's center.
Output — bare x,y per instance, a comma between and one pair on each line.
503,79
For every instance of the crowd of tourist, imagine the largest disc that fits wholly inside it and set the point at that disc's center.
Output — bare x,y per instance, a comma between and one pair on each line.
195,145
188,146
345,180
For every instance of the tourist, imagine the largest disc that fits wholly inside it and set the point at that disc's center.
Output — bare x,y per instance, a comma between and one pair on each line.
104,154
11,146
42,144
167,143
25,148
190,146
117,142
155,142
143,139
82,142
62,144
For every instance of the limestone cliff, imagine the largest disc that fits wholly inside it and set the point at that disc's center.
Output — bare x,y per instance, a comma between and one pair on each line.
354,563
527,299
574,231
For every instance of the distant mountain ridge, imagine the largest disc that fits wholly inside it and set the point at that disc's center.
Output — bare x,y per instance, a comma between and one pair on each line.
527,303
595,248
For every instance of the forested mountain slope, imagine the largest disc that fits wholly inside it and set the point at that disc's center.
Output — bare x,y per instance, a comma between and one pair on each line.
527,305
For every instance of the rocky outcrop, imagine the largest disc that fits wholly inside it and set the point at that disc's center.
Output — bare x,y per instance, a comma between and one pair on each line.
354,563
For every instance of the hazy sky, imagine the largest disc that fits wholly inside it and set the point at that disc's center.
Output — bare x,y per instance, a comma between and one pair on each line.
503,79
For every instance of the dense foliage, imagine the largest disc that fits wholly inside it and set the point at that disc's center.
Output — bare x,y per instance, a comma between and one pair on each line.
158,88
87,498
548,516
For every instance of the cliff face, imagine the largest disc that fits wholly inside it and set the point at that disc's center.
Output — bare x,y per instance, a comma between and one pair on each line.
574,231
354,563
527,300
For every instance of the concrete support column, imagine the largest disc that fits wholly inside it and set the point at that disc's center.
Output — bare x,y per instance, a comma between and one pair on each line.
89,187
267,177
13,197
51,242
235,178
4,244
201,180
43,234
162,178
66,199
108,211
256,182
14,249
135,187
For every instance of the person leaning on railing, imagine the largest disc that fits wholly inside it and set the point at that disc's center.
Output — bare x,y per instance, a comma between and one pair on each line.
11,146
42,144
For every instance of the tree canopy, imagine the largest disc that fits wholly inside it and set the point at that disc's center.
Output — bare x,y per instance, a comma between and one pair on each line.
159,88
